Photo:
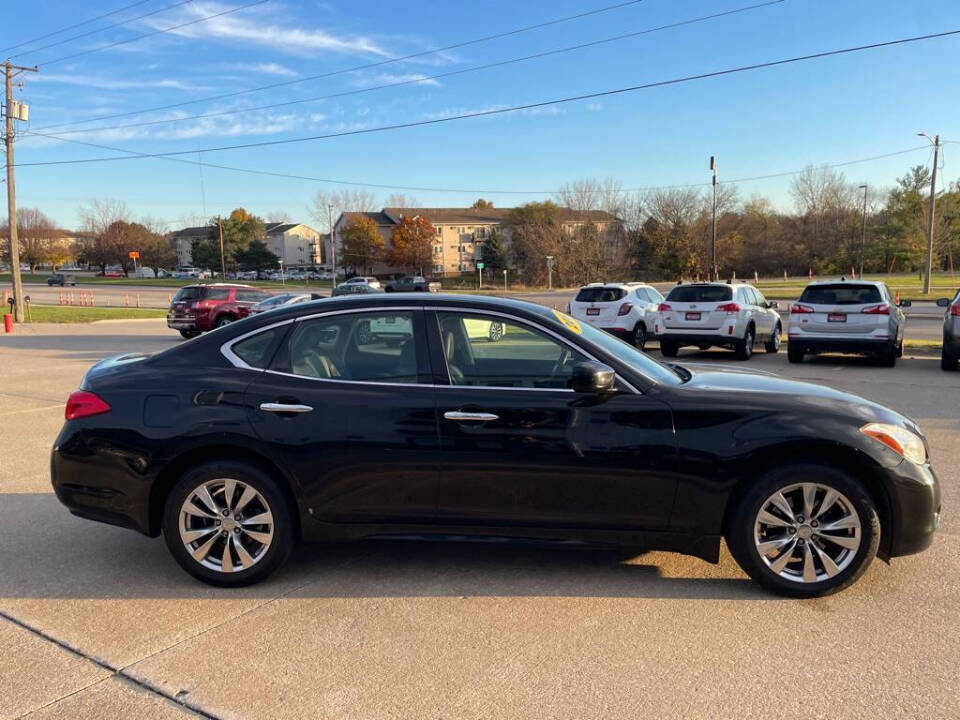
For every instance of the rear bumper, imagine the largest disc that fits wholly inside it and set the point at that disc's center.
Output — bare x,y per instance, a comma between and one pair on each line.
181,324
915,500
846,345
707,337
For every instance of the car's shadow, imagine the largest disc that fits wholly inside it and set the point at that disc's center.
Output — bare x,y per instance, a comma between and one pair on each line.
48,553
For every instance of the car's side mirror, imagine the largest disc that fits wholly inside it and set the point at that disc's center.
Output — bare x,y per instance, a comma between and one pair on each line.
943,302
773,305
905,303
592,377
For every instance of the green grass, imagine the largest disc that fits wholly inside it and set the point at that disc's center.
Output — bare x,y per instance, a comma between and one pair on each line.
61,314
910,286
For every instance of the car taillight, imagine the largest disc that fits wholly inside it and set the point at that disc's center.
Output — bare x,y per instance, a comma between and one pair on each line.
801,309
955,310
729,308
663,307
625,309
83,404
883,309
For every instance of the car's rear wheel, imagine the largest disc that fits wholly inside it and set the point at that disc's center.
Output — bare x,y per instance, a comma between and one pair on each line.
948,360
640,336
773,344
495,334
805,530
794,353
668,348
227,523
888,358
189,333
744,348
224,320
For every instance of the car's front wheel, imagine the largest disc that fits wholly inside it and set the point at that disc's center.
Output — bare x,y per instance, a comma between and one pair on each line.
187,334
804,530
227,523
640,336
773,344
744,349
668,348
224,320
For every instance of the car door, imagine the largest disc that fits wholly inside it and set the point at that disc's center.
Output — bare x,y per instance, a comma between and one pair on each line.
347,403
520,448
761,315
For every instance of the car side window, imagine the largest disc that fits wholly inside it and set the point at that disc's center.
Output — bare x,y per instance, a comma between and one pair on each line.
363,347
491,351
641,294
257,350
655,295
761,300
216,293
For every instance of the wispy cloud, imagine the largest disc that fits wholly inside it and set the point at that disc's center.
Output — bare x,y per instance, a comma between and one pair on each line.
242,28
271,68
105,83
393,78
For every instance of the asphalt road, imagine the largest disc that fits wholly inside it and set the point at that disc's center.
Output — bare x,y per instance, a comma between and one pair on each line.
924,320
97,621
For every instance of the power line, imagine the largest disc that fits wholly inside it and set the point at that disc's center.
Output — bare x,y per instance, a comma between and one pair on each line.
75,25
469,191
101,29
439,76
367,66
151,34
514,108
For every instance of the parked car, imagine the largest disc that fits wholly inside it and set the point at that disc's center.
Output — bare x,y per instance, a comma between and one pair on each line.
61,279
411,283
272,303
627,310
198,308
564,433
349,288
111,273
364,280
847,316
950,353
714,314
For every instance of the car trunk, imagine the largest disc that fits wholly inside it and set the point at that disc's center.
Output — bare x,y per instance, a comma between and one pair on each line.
839,309
598,304
695,308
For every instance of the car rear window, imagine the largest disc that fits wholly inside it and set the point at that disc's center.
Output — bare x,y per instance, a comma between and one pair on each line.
701,293
599,294
188,293
841,294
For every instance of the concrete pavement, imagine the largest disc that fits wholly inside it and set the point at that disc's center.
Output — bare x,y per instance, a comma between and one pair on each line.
97,621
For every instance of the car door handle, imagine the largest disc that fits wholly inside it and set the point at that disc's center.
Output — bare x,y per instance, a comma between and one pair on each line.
284,408
458,416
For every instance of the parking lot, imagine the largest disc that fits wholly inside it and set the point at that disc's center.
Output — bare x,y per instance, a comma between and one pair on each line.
97,621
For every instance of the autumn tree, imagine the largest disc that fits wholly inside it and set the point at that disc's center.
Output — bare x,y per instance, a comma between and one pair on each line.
39,240
362,244
101,246
536,232
482,204
494,253
399,200
239,230
412,247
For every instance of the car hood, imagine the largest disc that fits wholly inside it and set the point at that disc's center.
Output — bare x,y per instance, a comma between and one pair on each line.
759,386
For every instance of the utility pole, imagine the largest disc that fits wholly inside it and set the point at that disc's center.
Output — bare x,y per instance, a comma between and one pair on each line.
223,262
21,114
933,202
714,275
863,229
333,244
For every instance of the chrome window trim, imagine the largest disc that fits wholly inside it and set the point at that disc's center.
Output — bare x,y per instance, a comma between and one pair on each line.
227,348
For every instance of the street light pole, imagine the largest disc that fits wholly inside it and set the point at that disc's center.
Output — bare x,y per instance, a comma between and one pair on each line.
714,275
863,229
933,201
333,243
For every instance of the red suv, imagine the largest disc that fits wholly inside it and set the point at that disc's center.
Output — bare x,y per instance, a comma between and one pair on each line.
198,308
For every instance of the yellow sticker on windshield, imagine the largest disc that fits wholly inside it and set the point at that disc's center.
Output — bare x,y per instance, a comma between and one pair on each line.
568,321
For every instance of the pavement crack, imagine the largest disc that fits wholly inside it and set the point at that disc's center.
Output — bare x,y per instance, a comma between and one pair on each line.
114,671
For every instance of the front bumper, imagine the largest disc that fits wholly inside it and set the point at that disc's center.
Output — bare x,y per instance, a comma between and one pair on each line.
842,345
915,507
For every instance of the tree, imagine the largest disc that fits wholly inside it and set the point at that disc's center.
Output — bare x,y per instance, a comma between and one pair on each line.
412,248
362,244
341,202
494,255
482,204
258,257
399,200
239,230
155,250
39,240
536,233
101,248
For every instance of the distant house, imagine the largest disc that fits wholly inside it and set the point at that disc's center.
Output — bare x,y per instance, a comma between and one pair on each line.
461,232
298,245
182,241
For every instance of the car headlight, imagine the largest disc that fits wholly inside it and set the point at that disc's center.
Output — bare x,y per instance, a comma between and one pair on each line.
899,439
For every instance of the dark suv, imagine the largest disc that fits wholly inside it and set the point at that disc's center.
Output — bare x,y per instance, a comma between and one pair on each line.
950,354
198,308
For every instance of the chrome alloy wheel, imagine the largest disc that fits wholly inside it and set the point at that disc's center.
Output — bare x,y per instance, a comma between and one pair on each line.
807,532
226,525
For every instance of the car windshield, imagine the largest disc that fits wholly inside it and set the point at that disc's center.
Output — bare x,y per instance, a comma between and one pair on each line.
701,293
188,293
841,294
599,294
629,355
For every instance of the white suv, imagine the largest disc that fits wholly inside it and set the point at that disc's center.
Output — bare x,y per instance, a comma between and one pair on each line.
364,280
627,310
717,314
847,316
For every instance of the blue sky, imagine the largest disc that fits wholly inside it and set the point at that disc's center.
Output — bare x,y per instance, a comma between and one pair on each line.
768,121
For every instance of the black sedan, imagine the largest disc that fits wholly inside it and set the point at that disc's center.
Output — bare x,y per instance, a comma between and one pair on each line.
381,415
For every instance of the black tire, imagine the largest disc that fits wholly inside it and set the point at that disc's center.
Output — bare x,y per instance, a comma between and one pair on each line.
794,353
640,336
282,541
187,334
773,344
744,348
948,360
668,349
888,358
740,533
224,320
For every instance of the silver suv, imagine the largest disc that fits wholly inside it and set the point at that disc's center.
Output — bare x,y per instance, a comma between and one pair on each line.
627,310
847,316
718,314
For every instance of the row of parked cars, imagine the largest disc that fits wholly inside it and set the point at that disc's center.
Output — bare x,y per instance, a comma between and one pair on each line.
830,316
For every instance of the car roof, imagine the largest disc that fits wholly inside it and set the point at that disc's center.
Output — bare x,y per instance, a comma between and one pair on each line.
844,281
616,285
